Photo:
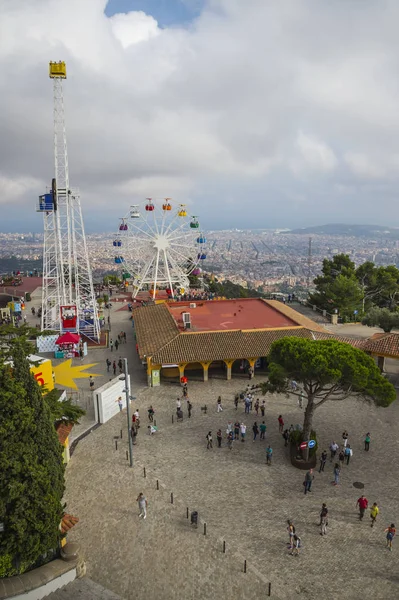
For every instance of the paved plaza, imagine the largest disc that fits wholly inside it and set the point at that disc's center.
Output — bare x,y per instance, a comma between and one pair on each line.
242,501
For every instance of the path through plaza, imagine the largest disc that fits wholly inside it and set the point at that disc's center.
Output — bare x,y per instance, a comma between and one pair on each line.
242,501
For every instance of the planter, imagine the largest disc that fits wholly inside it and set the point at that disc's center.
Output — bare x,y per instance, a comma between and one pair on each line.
298,462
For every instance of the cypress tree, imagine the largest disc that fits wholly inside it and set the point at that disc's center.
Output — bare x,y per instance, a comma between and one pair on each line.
31,468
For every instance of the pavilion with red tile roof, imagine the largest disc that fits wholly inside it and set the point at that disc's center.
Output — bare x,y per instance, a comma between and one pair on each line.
176,337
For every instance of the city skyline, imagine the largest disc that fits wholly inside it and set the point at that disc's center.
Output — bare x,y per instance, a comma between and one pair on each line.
248,112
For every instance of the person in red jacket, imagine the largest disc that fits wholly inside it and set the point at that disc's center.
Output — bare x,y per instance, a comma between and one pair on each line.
280,424
363,504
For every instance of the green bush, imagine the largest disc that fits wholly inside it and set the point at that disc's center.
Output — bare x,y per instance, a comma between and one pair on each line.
6,567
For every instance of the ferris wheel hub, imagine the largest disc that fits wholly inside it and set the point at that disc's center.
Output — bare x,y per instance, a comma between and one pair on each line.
161,242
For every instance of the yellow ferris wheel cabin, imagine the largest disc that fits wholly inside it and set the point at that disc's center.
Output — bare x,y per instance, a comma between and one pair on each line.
57,69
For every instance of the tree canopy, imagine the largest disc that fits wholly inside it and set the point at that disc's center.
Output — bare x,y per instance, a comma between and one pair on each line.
327,370
381,317
346,289
32,470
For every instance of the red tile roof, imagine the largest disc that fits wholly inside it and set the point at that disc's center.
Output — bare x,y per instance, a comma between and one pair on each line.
220,345
386,344
63,431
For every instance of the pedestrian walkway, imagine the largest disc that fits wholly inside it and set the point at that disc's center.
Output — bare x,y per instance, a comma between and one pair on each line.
240,499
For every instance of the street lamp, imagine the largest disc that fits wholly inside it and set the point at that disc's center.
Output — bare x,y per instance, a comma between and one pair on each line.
125,378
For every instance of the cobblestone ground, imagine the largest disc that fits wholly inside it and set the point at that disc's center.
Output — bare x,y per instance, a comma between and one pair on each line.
242,500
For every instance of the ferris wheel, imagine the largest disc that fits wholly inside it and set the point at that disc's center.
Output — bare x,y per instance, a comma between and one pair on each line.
158,246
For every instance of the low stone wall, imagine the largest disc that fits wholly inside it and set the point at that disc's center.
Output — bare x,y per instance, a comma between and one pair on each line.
40,582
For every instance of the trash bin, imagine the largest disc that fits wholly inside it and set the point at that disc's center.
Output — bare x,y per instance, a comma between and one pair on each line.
194,518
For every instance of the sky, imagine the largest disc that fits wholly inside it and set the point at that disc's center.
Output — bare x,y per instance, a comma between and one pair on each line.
256,114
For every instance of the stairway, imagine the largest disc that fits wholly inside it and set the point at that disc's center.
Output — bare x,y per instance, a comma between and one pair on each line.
83,589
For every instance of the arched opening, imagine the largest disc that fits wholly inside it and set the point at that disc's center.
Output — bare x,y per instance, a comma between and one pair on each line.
217,370
194,371
240,368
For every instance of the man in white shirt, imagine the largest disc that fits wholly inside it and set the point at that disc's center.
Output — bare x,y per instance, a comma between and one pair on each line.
142,502
333,448
243,429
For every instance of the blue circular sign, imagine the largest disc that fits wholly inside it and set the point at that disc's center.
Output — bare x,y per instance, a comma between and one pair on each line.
311,444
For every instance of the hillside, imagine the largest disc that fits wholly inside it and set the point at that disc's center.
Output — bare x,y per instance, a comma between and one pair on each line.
371,231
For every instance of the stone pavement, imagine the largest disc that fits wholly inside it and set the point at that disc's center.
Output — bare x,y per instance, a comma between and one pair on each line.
241,499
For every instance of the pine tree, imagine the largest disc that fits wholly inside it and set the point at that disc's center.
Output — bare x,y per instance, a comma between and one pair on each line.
32,470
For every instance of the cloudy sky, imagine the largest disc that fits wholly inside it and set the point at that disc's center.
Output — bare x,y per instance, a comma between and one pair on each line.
256,113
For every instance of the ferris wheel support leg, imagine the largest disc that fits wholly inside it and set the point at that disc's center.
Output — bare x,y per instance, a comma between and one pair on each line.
154,293
168,273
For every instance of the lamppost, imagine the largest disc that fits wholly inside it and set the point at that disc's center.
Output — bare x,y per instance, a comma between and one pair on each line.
125,378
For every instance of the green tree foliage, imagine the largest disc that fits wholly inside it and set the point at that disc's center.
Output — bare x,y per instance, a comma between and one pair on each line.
381,317
63,410
112,279
327,370
337,286
228,289
32,470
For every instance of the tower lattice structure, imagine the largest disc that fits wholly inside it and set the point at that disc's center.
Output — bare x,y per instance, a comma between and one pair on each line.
68,298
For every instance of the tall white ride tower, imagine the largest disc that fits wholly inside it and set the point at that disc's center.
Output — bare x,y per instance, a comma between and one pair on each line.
68,299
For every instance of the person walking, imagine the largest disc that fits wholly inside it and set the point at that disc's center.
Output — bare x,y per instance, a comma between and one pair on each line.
114,367
219,405
269,455
230,440
236,430
236,400
341,457
91,382
247,403
116,345
143,504
362,503
257,406
348,453
229,427
291,533
209,440
323,460
345,436
280,424
262,428
108,363
301,399
374,510
151,413
243,429
189,408
337,471
255,429
262,408
120,403
367,441
120,365
286,437
308,481
178,403
323,519
111,345
333,449
297,544
390,531
219,437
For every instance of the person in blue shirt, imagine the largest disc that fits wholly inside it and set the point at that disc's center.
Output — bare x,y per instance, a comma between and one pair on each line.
269,453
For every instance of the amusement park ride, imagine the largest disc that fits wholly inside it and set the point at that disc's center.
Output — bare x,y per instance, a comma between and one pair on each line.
68,299
158,246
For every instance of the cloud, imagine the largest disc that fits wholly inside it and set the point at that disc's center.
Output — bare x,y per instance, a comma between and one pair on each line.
271,101
134,27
